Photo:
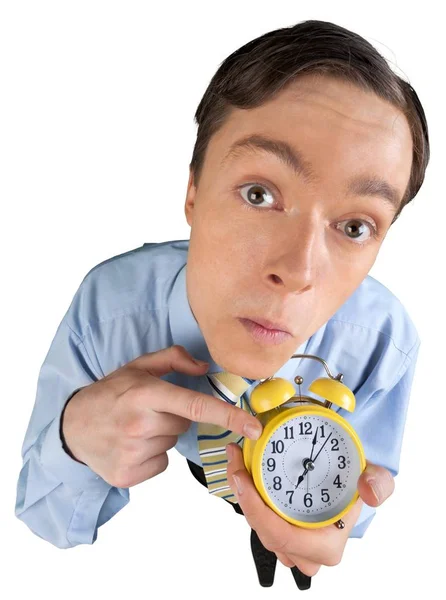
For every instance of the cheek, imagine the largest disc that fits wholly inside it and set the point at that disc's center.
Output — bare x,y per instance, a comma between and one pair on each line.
232,243
358,267
346,277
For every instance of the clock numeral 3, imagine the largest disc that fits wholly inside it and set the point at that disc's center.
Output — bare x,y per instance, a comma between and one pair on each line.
341,464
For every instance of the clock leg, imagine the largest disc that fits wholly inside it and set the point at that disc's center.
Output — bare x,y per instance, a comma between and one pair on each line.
303,581
264,559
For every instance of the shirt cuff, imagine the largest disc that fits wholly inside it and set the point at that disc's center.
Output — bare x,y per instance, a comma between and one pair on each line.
365,518
57,462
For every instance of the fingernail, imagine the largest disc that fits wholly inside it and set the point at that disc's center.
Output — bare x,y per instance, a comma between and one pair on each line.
200,362
252,431
376,489
229,453
238,484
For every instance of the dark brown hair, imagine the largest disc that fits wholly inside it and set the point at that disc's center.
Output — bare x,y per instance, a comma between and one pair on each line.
254,73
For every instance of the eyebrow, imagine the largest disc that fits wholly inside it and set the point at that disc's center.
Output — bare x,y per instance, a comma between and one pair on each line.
293,158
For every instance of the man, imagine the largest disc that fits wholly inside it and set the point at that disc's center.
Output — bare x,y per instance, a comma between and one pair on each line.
308,149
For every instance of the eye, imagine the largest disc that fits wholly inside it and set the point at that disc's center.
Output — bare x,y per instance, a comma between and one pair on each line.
255,193
359,231
355,229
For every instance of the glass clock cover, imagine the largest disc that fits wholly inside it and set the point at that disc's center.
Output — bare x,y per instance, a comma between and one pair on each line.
310,468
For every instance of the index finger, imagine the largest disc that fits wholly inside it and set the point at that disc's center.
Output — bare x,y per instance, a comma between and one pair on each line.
203,408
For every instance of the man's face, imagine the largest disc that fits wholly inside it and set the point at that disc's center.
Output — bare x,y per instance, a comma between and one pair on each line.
268,242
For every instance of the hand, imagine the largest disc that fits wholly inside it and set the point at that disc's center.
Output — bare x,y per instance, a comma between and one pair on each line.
307,549
122,425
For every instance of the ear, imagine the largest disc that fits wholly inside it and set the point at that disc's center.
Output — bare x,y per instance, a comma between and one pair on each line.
190,198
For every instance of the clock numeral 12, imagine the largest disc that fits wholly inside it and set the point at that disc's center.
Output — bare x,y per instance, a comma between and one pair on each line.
305,428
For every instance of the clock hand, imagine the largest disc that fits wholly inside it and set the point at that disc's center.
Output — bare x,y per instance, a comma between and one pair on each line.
314,443
314,459
301,478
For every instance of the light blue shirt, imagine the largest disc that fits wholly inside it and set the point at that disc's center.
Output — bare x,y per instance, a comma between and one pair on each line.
135,303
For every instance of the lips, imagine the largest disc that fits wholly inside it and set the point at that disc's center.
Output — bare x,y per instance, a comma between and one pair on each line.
269,324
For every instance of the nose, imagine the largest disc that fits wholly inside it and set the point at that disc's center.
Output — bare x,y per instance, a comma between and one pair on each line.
295,258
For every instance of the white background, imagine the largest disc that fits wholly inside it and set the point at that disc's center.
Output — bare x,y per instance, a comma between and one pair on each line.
96,119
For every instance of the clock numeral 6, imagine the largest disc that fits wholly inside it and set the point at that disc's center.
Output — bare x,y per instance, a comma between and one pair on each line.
308,500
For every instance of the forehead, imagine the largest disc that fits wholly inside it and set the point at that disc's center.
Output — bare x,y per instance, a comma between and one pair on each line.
337,128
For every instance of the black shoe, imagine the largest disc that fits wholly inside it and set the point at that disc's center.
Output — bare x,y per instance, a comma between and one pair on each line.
303,581
264,559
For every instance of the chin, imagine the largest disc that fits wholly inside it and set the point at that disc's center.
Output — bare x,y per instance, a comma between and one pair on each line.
245,364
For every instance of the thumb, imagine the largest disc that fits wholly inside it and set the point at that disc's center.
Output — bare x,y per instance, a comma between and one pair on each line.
173,358
375,484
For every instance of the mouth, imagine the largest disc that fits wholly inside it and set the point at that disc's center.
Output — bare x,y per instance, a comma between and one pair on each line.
268,324
265,335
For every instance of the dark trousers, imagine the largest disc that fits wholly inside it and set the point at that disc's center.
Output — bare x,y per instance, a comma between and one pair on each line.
264,559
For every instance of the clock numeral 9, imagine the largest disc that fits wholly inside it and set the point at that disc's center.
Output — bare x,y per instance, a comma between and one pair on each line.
278,447
277,483
271,463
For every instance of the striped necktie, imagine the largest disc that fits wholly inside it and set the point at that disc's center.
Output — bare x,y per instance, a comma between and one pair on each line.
213,439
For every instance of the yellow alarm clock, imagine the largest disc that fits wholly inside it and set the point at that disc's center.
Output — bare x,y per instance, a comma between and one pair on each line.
307,462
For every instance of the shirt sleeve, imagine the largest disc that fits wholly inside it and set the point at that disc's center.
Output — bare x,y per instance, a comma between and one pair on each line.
380,425
60,499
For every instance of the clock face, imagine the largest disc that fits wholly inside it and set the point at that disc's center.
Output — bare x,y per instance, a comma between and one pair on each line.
310,468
